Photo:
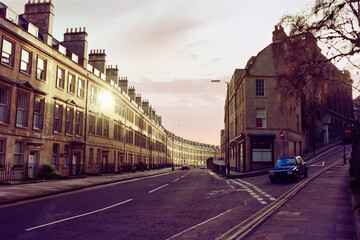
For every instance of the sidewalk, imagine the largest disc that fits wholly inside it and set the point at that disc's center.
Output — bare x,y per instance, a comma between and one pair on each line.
320,210
20,192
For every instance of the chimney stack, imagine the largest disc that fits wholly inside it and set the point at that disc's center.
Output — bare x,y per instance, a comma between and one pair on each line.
112,73
41,14
123,84
131,93
278,34
145,106
138,100
76,42
97,58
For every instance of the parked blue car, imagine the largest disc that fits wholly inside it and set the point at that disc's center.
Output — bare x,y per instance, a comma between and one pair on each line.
290,168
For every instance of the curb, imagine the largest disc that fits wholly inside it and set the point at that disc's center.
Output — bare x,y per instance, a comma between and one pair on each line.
354,204
74,189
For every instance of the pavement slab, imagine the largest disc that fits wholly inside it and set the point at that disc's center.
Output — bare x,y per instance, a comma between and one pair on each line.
321,210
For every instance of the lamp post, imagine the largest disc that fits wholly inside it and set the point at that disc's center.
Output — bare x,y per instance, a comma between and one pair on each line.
228,124
172,147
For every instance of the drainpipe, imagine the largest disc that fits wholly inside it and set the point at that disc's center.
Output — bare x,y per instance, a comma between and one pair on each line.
85,119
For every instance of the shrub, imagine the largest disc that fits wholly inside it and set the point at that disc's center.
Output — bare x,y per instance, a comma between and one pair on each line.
49,172
48,168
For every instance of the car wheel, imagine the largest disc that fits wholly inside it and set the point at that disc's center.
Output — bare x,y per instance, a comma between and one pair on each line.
306,173
272,180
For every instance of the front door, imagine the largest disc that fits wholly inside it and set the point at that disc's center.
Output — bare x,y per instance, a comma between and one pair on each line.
104,162
32,164
74,161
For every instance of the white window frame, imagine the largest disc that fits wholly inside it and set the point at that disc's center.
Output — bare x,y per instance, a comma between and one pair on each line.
60,78
7,55
4,104
22,110
39,113
19,152
71,83
25,62
41,69
261,115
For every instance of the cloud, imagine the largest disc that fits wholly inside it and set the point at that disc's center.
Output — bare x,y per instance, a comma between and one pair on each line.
154,34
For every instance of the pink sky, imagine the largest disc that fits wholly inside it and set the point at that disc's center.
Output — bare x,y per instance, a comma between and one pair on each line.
170,50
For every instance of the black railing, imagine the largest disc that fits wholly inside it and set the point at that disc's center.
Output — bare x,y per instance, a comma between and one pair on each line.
18,172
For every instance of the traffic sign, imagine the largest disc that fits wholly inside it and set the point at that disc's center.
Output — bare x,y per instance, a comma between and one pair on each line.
282,134
348,132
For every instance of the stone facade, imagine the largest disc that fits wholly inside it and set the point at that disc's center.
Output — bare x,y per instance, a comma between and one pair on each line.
257,116
58,105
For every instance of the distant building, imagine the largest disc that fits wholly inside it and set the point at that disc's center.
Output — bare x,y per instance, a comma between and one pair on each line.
357,109
63,106
257,116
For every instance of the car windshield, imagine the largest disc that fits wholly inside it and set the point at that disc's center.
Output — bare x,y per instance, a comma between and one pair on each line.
283,162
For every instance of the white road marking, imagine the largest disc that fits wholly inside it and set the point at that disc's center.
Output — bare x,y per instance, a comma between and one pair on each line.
319,164
231,186
214,175
176,180
78,216
251,192
197,225
246,186
258,189
158,188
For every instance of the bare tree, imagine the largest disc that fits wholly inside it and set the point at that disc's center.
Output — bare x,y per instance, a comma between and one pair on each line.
335,23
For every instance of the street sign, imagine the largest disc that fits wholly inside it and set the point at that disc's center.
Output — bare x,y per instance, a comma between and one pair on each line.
348,132
282,134
233,144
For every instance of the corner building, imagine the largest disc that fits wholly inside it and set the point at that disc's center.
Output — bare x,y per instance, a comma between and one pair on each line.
61,105
256,117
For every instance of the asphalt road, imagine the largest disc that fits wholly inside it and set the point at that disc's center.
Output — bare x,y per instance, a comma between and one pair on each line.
189,204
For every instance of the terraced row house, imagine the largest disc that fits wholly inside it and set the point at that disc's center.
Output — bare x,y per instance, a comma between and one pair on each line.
61,105
266,119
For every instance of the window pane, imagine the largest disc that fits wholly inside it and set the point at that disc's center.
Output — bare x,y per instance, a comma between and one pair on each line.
4,105
21,110
260,87
20,118
71,83
57,118
25,61
6,57
40,72
17,147
260,113
81,85
37,121
60,78
3,95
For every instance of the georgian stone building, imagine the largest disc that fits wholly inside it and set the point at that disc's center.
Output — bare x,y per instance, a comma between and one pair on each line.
257,115
62,105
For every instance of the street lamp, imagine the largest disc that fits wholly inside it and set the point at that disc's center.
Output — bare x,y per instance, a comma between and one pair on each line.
172,147
228,124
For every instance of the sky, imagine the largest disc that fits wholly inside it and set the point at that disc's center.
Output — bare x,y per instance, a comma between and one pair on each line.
170,50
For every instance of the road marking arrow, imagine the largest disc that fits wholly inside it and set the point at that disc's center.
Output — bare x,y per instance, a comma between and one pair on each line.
319,164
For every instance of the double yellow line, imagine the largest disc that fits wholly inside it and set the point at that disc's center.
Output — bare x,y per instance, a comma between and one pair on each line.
246,226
